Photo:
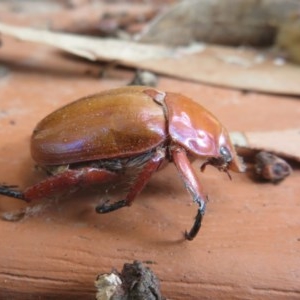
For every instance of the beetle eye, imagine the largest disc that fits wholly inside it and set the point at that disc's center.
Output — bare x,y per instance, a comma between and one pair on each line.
225,154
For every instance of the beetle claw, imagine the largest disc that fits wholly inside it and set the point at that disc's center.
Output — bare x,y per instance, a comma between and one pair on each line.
106,208
11,191
188,236
197,224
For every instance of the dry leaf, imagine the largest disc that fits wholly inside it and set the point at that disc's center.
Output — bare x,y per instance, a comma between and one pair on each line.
89,47
244,69
227,22
224,66
284,143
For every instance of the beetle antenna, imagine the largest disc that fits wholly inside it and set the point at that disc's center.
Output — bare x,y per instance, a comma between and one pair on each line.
203,166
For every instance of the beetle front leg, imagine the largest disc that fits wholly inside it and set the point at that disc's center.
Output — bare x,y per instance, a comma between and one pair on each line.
143,177
192,184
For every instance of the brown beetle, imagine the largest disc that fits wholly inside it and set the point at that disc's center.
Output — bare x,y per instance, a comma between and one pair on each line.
98,138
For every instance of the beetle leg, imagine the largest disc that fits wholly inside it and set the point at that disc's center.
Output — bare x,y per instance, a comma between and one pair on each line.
192,184
10,191
60,182
143,177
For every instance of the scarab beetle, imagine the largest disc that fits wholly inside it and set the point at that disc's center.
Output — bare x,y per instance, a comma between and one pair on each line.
98,138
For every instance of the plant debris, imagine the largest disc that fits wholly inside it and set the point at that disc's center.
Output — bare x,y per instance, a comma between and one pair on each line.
269,167
144,78
235,67
224,22
135,282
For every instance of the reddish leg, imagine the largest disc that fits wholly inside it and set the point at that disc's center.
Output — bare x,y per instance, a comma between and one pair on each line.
59,183
143,177
192,184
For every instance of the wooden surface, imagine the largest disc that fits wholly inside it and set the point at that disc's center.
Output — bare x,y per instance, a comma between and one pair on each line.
248,248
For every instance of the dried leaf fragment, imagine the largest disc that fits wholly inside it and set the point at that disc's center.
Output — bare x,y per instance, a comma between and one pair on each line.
270,167
226,22
89,47
135,282
107,285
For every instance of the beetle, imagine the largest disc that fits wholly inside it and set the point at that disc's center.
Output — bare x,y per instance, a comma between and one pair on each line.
99,138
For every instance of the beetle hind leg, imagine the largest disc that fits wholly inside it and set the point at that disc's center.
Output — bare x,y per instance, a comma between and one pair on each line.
143,177
59,183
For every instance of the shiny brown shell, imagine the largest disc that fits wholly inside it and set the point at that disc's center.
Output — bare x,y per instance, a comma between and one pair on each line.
117,123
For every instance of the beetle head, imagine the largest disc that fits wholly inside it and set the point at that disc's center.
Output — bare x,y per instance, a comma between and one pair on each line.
227,158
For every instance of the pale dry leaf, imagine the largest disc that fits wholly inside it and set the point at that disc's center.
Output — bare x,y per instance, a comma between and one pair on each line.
226,22
231,67
89,47
215,65
285,143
